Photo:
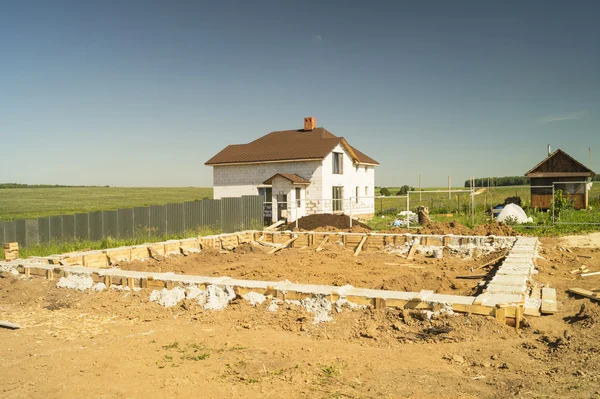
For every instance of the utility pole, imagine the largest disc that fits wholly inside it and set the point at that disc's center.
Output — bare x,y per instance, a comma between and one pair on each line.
449,187
419,188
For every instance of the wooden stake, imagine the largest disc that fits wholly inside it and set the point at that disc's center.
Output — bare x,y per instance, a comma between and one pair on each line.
285,244
518,316
320,247
154,254
500,315
413,250
360,244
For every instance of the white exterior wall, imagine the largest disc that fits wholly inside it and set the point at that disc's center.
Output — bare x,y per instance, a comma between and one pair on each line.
282,186
349,179
238,180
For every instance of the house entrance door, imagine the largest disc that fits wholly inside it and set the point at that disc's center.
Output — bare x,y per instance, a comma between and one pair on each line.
266,193
281,207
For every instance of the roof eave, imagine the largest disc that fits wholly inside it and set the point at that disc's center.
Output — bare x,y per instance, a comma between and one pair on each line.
560,174
258,162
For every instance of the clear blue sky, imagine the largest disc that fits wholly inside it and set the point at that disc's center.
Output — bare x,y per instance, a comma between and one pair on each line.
142,93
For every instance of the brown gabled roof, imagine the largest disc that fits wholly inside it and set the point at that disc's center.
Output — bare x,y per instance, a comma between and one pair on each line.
294,178
287,145
559,164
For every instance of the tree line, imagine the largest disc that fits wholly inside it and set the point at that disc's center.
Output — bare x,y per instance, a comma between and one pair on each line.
499,181
19,185
506,181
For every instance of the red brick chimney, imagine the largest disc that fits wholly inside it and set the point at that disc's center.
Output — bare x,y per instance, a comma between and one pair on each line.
310,122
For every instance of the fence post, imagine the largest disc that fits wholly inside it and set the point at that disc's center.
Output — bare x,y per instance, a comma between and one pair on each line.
351,212
552,203
407,210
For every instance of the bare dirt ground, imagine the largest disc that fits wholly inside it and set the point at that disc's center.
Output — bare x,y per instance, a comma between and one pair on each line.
116,344
335,265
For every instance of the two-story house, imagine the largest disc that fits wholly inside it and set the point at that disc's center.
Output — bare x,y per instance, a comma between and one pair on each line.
300,172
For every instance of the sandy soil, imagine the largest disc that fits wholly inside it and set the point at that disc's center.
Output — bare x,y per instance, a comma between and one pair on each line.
117,345
586,241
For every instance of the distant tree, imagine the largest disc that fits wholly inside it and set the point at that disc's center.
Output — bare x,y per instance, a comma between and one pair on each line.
384,191
404,190
499,181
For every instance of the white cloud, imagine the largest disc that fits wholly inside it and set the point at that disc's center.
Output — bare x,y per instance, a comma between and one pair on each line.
317,38
562,117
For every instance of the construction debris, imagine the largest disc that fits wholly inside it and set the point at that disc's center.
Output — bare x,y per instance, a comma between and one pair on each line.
11,251
9,325
75,282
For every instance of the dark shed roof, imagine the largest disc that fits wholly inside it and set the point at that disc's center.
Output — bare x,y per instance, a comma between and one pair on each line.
560,164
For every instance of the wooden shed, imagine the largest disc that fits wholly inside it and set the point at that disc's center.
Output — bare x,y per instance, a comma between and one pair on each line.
563,172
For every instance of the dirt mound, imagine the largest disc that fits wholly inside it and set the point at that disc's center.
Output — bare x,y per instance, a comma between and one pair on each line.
454,227
329,222
587,317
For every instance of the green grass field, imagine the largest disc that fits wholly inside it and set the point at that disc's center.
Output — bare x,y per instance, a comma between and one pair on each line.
23,203
461,202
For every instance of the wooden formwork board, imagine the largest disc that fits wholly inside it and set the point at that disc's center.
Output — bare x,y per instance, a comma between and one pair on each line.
95,259
190,244
171,247
119,254
139,252
158,247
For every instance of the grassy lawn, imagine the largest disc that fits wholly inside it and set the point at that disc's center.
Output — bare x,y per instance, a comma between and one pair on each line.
24,203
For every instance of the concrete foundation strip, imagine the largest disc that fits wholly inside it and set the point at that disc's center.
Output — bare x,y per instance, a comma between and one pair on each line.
504,297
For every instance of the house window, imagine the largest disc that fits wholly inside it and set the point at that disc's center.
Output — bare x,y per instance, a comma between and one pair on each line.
338,162
366,168
357,167
357,194
266,193
337,196
366,191
298,199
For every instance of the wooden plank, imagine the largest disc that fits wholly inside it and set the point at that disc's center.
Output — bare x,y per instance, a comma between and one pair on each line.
585,293
549,304
320,247
285,244
360,244
412,250
590,274
154,255
11,246
9,325
409,265
268,244
275,225
492,262
472,276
